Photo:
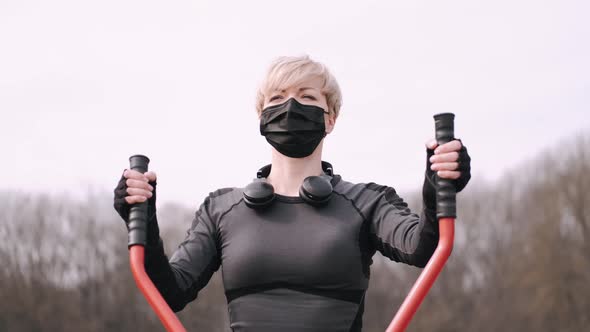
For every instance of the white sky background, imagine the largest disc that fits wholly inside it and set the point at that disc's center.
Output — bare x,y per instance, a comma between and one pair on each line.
84,85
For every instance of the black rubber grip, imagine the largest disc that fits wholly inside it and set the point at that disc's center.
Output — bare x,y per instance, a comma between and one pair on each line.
138,212
445,189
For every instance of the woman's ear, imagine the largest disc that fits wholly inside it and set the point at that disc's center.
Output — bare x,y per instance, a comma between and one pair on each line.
330,123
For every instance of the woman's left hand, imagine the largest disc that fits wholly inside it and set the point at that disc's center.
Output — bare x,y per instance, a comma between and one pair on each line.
445,161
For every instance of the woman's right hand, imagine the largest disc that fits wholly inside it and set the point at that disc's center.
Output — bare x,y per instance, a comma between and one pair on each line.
139,188
135,187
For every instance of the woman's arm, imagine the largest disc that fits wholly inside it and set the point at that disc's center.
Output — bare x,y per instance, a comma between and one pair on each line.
181,278
398,233
196,259
404,236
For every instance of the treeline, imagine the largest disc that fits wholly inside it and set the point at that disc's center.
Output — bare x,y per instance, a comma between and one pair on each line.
520,263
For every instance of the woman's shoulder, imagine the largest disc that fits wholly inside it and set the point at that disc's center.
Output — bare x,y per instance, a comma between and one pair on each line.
226,193
223,199
365,190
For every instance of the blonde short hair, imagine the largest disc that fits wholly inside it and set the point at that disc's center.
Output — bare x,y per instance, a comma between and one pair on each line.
287,71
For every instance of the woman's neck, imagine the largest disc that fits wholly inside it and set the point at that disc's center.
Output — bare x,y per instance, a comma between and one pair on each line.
287,174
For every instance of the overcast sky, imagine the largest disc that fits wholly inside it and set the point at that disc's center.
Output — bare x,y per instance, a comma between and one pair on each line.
84,85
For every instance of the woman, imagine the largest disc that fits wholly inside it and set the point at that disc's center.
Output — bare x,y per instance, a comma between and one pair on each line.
295,245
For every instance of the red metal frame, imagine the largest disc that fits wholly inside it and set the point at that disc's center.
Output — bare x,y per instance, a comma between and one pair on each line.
144,283
427,277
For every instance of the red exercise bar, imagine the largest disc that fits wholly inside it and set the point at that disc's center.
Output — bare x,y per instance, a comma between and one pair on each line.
144,283
427,277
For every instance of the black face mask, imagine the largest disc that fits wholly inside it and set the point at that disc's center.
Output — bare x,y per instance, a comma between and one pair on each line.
294,129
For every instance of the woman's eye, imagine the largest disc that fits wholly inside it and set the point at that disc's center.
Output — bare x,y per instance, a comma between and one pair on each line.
273,98
309,97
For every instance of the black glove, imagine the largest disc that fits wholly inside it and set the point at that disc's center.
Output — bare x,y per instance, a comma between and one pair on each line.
429,187
122,208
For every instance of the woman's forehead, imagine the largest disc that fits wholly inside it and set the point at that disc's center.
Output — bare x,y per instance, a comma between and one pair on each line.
313,83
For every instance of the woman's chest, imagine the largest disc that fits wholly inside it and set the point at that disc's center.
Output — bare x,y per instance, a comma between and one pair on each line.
292,243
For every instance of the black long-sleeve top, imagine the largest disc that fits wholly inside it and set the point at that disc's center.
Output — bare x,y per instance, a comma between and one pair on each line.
293,266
